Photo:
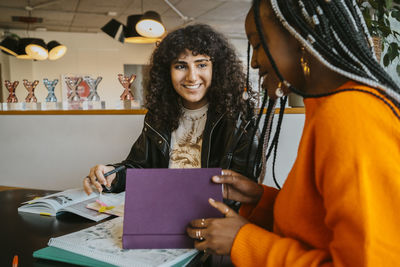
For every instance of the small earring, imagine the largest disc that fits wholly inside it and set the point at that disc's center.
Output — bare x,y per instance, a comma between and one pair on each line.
279,91
245,95
304,64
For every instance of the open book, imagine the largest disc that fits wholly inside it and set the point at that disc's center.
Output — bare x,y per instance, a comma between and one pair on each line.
101,245
74,201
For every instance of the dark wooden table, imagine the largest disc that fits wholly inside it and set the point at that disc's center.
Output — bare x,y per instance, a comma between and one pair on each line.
23,233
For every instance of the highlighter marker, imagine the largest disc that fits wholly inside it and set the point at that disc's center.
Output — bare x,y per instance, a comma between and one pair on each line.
15,261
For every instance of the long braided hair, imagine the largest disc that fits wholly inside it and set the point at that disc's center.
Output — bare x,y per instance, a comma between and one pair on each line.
335,33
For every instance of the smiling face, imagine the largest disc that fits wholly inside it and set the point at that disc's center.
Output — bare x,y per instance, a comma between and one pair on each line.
191,77
283,47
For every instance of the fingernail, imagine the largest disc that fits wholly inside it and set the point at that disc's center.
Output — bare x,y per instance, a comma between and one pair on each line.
211,200
216,178
222,172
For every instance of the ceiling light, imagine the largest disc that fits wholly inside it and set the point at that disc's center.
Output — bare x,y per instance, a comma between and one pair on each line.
115,29
56,50
21,53
132,36
112,13
150,25
9,45
37,49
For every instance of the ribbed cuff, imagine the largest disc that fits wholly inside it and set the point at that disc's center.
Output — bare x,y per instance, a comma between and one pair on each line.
250,246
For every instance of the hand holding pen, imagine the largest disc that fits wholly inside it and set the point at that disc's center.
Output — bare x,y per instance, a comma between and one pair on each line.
99,176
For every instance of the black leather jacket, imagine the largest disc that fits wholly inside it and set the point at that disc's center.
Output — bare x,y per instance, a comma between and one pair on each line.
225,144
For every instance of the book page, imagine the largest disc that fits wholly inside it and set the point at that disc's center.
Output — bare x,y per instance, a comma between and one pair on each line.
71,200
104,242
114,204
81,210
53,203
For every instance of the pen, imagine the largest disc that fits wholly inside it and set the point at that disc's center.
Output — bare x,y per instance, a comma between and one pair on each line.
117,169
15,261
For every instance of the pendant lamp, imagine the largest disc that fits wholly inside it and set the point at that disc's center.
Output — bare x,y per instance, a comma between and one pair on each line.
21,53
132,36
37,49
10,46
114,29
150,25
56,50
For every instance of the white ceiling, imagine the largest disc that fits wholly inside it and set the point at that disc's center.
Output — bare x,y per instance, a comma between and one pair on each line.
227,16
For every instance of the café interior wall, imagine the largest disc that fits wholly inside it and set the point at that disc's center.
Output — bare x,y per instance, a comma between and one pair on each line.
57,151
94,54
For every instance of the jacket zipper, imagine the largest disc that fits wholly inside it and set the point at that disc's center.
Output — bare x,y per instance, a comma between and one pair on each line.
212,129
158,134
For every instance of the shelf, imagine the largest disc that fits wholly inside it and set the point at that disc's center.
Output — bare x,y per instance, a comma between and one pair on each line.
108,112
77,112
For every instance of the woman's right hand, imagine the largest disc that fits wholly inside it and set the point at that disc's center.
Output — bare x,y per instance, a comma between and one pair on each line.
238,187
96,178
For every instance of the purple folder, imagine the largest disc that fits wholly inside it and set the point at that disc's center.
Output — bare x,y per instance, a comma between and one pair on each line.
160,203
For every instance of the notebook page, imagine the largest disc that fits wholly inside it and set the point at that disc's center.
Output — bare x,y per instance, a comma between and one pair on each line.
104,242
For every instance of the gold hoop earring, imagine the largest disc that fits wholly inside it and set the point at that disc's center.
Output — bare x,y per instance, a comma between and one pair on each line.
304,64
279,91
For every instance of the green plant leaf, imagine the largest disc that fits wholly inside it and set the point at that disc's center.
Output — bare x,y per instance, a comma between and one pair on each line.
394,51
389,4
386,60
398,70
396,14
374,4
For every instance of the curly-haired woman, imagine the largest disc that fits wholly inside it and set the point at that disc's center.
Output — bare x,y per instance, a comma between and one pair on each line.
199,114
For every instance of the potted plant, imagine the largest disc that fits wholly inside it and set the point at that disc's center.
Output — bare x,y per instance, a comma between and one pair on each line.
378,15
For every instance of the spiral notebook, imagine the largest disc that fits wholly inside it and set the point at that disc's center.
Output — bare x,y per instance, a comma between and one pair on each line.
101,245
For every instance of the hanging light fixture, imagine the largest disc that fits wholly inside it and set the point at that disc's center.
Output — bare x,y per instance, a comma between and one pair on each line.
150,25
21,53
56,50
9,45
37,49
132,36
114,29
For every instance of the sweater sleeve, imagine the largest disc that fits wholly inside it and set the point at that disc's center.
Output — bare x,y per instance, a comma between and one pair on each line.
356,173
262,213
255,246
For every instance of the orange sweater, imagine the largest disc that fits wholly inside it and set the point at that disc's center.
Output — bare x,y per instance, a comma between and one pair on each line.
340,203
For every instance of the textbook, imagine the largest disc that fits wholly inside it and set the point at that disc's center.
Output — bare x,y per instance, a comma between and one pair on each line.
74,201
101,245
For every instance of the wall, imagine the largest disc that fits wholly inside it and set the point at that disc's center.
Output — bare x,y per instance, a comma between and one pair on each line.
56,152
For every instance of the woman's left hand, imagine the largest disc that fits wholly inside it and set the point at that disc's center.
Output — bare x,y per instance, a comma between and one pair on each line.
216,235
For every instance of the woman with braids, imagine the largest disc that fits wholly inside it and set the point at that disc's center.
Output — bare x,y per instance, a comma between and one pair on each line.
339,203
199,110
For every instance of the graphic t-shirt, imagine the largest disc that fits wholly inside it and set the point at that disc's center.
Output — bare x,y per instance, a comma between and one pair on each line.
186,141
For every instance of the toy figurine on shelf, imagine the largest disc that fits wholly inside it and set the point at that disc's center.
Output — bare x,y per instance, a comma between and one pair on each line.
72,83
12,98
30,87
126,82
93,96
50,85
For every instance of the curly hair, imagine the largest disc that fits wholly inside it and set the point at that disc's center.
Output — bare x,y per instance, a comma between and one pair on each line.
228,78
